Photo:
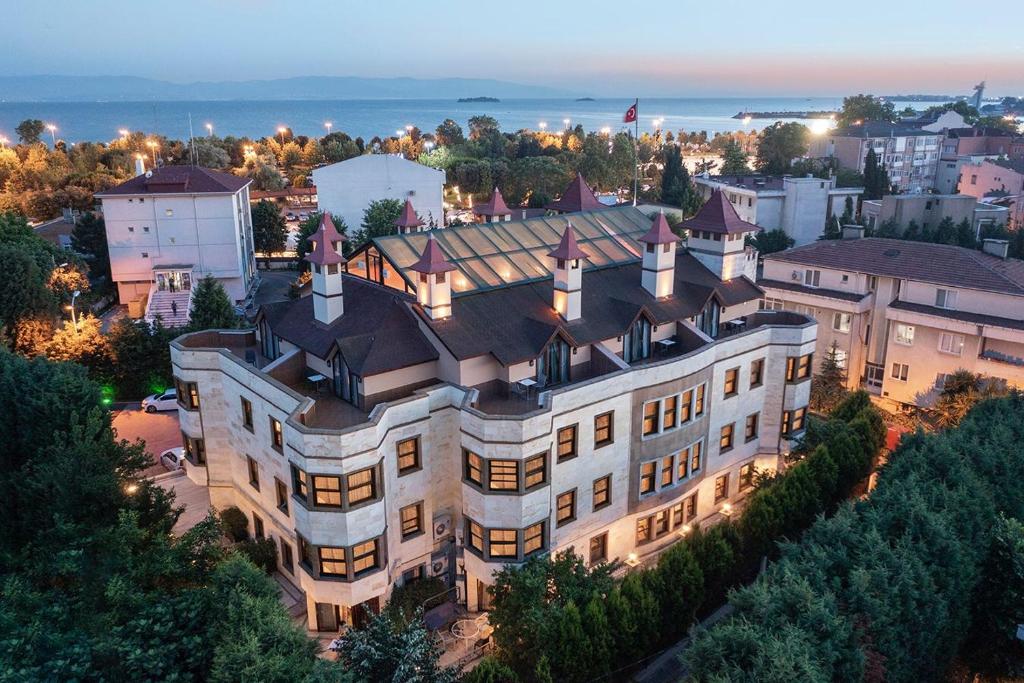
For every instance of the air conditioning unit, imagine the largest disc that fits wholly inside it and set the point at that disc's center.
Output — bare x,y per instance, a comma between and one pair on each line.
796,275
442,527
439,565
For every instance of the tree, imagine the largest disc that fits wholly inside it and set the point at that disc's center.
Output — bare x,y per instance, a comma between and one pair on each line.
481,126
386,651
961,107
778,145
771,241
734,160
828,387
379,220
211,307
676,187
999,123
90,238
29,131
209,154
860,108
81,342
449,133
23,291
876,178
490,670
269,229
140,357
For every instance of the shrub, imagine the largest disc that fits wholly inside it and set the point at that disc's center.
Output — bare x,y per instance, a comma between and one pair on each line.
262,552
234,523
424,594
490,670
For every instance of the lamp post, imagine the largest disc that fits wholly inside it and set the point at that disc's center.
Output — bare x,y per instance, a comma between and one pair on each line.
123,132
209,129
328,125
543,125
3,141
567,122
282,130
53,130
152,147
74,318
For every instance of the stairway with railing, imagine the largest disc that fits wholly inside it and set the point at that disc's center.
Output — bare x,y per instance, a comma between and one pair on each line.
172,308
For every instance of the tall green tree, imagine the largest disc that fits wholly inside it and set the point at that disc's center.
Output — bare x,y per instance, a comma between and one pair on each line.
828,386
734,160
876,178
865,108
449,133
211,307
778,145
676,187
269,229
89,237
378,220
29,131
771,241
387,651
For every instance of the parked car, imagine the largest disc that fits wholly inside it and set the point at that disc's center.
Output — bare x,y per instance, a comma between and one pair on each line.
290,217
165,401
303,215
173,458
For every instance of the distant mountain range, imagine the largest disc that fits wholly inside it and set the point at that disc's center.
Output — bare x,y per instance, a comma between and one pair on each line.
132,88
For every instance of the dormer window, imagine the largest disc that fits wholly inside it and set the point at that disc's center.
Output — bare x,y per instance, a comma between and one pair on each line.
553,363
707,320
636,343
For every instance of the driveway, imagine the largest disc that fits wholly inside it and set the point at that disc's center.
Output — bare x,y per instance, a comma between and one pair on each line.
195,498
158,431
274,286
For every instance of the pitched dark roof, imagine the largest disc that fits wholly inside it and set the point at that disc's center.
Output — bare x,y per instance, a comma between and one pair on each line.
965,316
432,260
1012,164
325,243
179,180
495,206
515,323
936,263
880,129
660,232
567,248
377,333
978,132
577,197
719,215
816,291
408,219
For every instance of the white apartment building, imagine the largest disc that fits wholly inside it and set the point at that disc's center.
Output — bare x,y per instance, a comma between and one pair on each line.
903,315
170,227
451,401
346,188
798,206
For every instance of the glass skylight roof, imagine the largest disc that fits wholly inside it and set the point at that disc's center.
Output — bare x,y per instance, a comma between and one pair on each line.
493,255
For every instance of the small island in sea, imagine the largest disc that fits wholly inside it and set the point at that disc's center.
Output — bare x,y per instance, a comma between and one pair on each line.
479,99
584,99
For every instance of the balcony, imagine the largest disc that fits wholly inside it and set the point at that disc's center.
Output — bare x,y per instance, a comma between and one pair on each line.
504,398
760,319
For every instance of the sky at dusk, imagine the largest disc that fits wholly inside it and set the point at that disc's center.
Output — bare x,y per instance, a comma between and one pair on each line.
777,47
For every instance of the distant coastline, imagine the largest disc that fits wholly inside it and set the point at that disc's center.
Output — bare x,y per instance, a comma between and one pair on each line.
785,115
585,99
478,99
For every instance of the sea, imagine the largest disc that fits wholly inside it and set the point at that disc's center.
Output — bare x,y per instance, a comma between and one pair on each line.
98,121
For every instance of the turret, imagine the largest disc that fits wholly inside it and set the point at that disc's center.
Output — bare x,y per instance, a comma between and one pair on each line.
718,239
659,265
408,221
568,285
494,209
434,289
326,261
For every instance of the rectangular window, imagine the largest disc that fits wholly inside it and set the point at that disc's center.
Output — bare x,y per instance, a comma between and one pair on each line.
797,420
501,542
872,283
677,515
756,373
565,507
904,334
300,483
686,407
276,435
643,530
746,476
282,495
332,561
254,473
305,552
566,443
603,434
798,368
812,278
602,492
695,457
504,475
900,371
721,487
361,486
682,464
841,321
536,471
732,382
188,394
770,304
647,477
945,298
725,442
750,433
669,412
533,538
651,410
411,517
286,556
599,548
476,536
951,343
698,406
691,507
257,527
327,490
661,520
365,557
408,455
473,467
247,414
667,465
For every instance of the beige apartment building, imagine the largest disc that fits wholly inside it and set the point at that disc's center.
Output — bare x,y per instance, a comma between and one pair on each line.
903,315
452,401
910,154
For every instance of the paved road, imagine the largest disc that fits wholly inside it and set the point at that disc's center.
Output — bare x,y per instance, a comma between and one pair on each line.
195,498
159,431
274,286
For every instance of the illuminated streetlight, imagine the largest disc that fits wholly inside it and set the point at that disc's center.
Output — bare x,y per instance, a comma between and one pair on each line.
543,125
282,130
74,318
408,128
428,145
209,129
567,122
328,125
131,489
3,141
606,130
123,132
53,129
399,133
152,146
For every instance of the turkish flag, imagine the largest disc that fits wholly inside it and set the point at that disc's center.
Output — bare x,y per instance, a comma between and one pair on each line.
630,116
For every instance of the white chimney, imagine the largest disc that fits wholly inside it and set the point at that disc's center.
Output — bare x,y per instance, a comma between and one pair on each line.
140,165
568,285
1000,248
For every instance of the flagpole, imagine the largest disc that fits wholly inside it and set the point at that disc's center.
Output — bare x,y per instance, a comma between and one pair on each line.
636,149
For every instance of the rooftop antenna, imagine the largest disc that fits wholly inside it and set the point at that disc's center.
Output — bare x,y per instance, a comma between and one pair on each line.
191,143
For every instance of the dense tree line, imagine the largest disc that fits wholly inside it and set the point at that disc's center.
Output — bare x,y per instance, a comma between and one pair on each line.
557,620
892,587
93,586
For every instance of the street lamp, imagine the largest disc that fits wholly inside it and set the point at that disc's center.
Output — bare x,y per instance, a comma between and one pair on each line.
123,132
328,125
428,145
209,129
606,130
74,318
567,122
408,128
543,125
282,130
152,146
3,141
53,129
399,133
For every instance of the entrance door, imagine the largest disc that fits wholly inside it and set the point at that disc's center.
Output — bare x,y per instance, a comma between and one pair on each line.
186,281
483,597
161,282
326,617
362,612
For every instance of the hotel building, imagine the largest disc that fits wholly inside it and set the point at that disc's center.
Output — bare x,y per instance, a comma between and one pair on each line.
452,401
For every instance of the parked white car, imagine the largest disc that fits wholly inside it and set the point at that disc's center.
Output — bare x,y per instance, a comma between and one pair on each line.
165,401
173,458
